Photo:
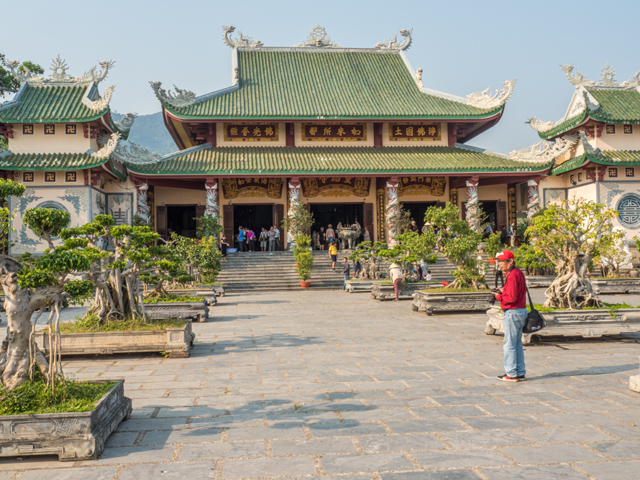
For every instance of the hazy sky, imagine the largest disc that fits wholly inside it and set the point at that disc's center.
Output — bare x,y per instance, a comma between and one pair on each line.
462,45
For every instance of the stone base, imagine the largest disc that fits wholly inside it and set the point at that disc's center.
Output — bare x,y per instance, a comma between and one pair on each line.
615,285
361,286
175,341
210,297
386,292
71,436
196,311
429,302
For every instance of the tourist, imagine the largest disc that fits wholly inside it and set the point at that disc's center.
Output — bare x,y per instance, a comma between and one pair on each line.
513,302
263,239
488,231
498,273
414,227
251,240
503,235
345,271
271,238
367,235
513,231
333,253
277,236
314,238
323,238
395,272
357,268
428,277
331,234
223,246
241,239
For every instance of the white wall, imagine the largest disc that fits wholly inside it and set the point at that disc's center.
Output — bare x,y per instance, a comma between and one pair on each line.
60,142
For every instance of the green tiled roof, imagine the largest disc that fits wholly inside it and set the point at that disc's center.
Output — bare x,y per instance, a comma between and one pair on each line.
325,84
49,105
624,158
564,126
570,164
204,159
49,161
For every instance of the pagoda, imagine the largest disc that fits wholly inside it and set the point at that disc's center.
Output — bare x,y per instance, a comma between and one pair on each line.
61,139
349,132
596,146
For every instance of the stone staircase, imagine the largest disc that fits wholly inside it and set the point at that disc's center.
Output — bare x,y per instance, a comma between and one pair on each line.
272,271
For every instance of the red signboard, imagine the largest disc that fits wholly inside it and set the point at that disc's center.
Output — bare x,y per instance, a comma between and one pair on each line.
334,132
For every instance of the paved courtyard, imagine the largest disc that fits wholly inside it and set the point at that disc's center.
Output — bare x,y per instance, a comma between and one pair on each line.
328,385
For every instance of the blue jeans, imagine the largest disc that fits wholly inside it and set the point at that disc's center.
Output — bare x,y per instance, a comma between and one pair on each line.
513,323
346,277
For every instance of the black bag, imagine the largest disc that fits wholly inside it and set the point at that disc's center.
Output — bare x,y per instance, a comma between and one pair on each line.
534,322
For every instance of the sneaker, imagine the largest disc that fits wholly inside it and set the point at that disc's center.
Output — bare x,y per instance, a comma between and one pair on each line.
507,378
521,378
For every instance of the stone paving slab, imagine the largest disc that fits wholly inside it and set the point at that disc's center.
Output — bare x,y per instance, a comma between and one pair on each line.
281,389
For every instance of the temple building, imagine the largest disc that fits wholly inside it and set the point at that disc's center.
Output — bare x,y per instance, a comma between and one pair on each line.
596,146
349,132
61,138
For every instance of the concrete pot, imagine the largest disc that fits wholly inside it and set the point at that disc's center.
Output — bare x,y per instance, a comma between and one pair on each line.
429,302
575,323
175,341
209,296
196,311
71,436
616,285
360,286
386,291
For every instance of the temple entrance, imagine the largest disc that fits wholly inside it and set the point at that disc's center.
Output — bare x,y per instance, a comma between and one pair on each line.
254,217
417,210
181,220
334,213
496,213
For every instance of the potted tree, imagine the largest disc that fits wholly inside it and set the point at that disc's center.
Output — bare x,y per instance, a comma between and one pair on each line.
42,411
304,259
373,271
571,236
459,243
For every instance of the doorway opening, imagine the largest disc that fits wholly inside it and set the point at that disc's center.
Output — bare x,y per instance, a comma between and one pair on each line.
417,210
490,210
181,220
334,213
254,217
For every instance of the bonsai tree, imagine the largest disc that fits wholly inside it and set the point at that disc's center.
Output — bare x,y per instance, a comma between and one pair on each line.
615,256
459,244
368,254
411,248
571,235
165,264
303,257
201,256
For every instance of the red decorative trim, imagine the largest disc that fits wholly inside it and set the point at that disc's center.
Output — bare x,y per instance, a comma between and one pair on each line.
291,135
86,176
377,134
6,130
172,130
85,130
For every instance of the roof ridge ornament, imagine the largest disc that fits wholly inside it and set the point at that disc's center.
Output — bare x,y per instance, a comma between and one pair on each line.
544,151
633,82
126,122
102,102
59,76
608,76
576,79
318,38
588,148
539,125
483,99
109,145
241,41
392,43
134,154
180,99
590,102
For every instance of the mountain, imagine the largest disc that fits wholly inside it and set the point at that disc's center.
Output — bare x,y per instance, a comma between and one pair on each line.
150,132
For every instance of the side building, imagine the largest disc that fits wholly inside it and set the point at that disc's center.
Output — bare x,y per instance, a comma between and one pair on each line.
348,132
597,146
61,141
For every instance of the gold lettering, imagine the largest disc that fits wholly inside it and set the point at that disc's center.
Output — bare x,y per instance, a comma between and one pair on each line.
257,132
433,131
421,132
327,131
398,132
263,181
313,130
233,131
355,132
241,182
245,131
341,132
409,131
268,131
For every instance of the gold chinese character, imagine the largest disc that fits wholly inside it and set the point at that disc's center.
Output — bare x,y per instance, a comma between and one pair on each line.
341,132
409,131
323,179
268,131
257,132
313,130
327,131
241,182
398,132
432,131
421,132
263,181
245,131
355,132
233,131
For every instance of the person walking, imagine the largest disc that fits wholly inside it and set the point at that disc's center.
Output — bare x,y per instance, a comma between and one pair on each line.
513,231
333,253
241,239
271,237
323,238
331,234
223,246
367,235
395,272
263,239
251,240
414,227
513,302
346,271
277,236
314,238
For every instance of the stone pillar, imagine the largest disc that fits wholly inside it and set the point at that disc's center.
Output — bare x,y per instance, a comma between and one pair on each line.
143,210
453,196
472,215
512,206
533,205
634,383
393,211
212,208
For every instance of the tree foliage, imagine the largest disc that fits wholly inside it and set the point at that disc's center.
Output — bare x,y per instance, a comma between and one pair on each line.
10,84
571,236
533,262
303,257
298,221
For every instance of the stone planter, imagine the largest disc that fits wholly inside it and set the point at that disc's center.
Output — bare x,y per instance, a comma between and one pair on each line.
196,311
616,285
634,383
209,295
71,436
429,302
386,292
360,286
539,281
576,323
174,341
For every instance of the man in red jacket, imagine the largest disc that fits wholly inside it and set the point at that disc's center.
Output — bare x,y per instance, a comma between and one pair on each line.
513,300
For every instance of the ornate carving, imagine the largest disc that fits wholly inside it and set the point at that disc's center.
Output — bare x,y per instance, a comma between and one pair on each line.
577,79
351,234
393,212
180,99
135,154
102,102
109,145
591,103
587,146
144,210
544,151
294,198
533,205
241,41
252,187
126,122
212,200
393,44
318,38
539,125
59,74
418,78
608,76
472,205
484,99
633,82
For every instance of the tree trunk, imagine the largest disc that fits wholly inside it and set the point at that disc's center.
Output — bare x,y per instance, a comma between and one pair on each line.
571,289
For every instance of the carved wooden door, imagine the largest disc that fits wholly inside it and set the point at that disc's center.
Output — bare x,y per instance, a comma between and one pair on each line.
227,224
367,219
501,215
161,221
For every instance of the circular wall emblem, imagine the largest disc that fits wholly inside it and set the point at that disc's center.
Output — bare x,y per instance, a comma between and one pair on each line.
629,210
